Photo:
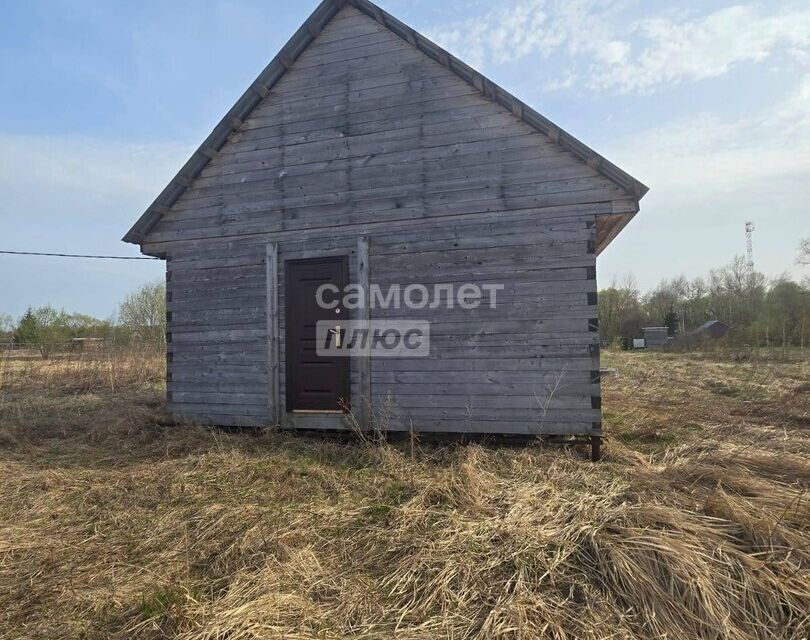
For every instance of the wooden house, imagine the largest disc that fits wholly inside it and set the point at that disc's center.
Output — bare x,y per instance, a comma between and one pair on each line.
710,330
365,154
655,337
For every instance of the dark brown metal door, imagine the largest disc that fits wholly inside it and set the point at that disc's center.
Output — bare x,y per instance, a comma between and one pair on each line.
313,382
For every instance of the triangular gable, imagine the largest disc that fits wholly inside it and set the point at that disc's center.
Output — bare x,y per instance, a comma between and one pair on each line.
299,42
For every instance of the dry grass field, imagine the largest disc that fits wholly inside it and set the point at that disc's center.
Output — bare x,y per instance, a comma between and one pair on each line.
696,524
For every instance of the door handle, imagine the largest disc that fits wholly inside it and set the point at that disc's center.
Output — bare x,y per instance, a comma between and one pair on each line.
338,336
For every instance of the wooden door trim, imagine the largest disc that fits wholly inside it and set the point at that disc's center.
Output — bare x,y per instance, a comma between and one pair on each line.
273,369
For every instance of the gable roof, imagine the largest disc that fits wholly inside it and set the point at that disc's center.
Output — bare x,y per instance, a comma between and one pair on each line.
302,38
709,324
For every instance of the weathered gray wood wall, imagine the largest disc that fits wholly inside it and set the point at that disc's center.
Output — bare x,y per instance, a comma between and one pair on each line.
367,137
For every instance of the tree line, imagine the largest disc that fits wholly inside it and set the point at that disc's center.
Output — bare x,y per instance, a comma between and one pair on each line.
761,312
141,319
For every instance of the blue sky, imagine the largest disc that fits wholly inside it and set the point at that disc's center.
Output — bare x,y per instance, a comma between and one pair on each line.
708,103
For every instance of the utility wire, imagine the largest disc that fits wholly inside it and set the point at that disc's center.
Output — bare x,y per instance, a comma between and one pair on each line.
75,255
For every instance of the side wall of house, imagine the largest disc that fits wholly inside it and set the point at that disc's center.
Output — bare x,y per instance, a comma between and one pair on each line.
367,137
527,364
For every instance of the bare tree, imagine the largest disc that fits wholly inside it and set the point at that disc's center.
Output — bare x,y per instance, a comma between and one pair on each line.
6,323
736,292
619,309
143,312
804,252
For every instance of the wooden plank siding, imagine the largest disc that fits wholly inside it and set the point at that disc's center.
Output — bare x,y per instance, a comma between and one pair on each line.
367,148
473,380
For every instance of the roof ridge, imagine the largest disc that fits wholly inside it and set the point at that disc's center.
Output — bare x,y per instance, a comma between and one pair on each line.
298,43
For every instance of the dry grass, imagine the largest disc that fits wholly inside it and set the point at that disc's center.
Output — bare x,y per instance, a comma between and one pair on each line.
695,525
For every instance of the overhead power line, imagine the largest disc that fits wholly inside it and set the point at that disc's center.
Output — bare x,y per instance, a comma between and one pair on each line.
75,255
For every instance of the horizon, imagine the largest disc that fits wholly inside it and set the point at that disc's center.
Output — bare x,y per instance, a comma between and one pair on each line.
137,94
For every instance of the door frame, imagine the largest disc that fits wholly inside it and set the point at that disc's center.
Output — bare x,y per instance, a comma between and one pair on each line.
343,260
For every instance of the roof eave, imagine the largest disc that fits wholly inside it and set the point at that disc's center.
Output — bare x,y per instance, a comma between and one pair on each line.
610,225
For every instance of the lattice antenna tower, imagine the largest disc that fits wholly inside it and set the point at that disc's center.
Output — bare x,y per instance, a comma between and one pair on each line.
749,243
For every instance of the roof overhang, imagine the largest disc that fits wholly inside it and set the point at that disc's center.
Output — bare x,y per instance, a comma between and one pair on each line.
608,226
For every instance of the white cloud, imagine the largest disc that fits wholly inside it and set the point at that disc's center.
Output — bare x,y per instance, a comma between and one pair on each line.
705,152
80,169
707,176
705,47
77,181
605,48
